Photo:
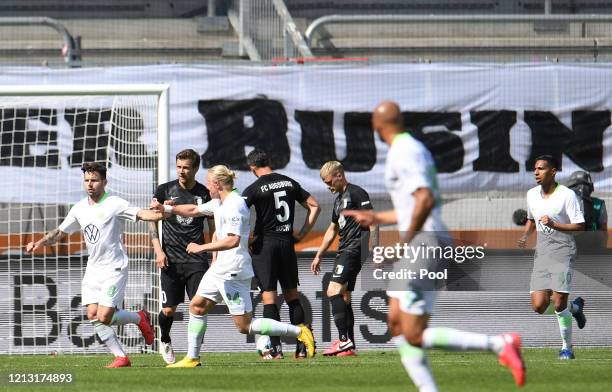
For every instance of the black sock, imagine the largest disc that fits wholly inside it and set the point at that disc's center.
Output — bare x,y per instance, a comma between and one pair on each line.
350,322
271,311
296,312
165,323
339,311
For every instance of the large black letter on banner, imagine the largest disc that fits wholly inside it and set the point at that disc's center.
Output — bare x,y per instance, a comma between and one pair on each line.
89,136
376,315
584,146
446,148
233,124
494,141
34,310
318,144
16,140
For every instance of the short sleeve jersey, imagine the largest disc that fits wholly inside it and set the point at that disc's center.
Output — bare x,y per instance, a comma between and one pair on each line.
352,235
410,166
274,196
232,217
562,206
102,225
178,231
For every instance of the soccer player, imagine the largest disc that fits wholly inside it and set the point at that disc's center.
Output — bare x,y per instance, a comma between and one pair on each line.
410,176
554,211
274,196
352,250
180,271
101,218
229,277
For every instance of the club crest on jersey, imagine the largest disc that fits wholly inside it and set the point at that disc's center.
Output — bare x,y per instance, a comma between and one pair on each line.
184,220
341,221
92,233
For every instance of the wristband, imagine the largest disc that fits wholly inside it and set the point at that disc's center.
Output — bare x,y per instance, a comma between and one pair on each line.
167,209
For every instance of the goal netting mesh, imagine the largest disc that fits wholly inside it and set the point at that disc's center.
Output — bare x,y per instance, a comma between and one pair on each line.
44,141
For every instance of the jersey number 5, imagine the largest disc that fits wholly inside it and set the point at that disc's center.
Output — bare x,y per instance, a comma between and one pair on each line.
281,204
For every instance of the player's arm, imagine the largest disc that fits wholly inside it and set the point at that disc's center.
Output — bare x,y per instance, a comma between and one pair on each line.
314,210
546,221
149,215
374,235
371,218
424,202
50,238
328,238
160,255
529,229
191,210
229,242
574,212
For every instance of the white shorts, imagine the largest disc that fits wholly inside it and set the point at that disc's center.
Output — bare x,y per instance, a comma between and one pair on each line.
415,302
104,287
235,293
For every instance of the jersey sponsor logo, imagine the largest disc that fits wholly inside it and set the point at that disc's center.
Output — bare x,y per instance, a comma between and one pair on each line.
184,220
92,233
365,203
545,229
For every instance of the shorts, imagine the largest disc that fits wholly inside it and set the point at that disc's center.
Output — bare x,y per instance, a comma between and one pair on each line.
415,302
346,268
105,287
235,293
179,278
555,276
274,261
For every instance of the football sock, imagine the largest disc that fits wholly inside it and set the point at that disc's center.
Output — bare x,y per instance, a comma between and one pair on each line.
108,336
165,323
270,311
122,317
565,327
269,327
550,309
296,312
350,322
339,311
453,339
415,362
195,334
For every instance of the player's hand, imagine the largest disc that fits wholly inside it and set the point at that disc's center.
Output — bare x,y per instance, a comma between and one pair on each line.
154,205
364,218
194,248
161,260
169,203
522,242
315,266
547,221
31,247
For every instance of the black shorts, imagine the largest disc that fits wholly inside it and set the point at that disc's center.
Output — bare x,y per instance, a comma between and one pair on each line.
274,260
346,268
179,278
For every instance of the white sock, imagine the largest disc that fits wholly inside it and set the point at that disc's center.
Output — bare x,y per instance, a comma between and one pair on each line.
122,317
108,336
415,362
453,339
565,327
195,334
270,327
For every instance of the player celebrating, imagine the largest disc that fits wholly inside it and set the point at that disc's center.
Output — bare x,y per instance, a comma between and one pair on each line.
229,277
554,211
410,176
180,271
101,218
274,260
352,250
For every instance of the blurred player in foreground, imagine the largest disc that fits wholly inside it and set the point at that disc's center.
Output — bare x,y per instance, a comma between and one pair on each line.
410,175
101,218
229,277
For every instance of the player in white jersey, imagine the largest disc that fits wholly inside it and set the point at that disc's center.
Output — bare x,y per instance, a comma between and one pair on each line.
410,176
229,277
554,211
101,218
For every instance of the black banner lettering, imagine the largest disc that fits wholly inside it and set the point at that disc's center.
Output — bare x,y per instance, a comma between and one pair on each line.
22,310
494,141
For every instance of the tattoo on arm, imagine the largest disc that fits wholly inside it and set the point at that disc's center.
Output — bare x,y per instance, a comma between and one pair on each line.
52,237
153,234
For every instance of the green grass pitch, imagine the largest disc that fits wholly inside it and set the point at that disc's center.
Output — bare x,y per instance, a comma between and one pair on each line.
370,371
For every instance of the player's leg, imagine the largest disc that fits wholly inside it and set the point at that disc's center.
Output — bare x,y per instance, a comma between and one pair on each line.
564,319
289,281
172,294
540,302
353,272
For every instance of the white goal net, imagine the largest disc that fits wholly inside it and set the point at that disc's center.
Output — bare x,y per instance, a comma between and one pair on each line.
45,136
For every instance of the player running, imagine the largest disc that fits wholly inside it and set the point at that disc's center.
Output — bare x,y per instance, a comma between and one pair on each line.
554,211
274,260
101,218
229,277
410,176
180,271
352,251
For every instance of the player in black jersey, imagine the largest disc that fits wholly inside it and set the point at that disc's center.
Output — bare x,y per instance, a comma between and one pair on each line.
180,271
274,196
352,251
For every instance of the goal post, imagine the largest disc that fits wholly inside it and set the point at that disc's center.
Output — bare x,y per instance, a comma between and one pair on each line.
46,133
